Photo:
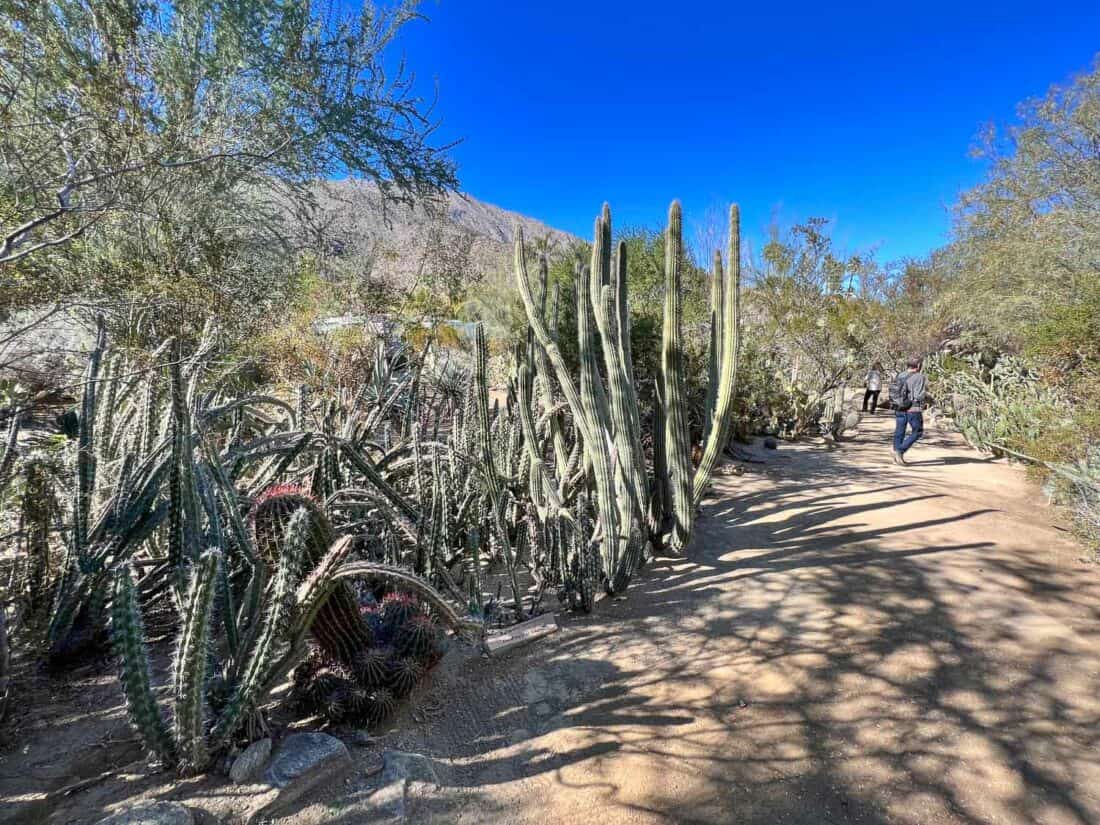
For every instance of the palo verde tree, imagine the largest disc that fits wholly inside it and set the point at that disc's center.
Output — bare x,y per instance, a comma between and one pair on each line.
142,138
807,302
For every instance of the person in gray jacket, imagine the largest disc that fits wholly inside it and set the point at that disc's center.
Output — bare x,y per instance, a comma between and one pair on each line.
908,394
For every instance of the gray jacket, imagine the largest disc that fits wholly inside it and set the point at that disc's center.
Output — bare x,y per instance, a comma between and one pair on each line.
918,389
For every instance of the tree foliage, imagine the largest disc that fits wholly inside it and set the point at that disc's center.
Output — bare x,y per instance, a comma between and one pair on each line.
162,149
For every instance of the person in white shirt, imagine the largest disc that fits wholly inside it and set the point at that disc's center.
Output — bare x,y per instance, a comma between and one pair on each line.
873,383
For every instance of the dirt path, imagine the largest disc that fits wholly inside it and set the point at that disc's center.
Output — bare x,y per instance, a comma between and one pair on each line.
847,645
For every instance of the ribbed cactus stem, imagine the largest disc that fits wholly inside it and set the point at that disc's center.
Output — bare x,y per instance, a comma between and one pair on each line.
285,517
541,473
677,445
598,450
192,657
274,633
608,293
489,466
85,444
714,354
728,363
128,639
183,511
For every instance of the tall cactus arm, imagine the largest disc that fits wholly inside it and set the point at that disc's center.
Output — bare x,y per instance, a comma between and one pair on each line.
599,449
677,446
729,362
275,631
183,526
542,335
619,285
606,293
192,658
85,445
128,639
714,354
489,467
530,439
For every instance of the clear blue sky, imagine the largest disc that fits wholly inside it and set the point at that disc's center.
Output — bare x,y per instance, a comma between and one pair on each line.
863,113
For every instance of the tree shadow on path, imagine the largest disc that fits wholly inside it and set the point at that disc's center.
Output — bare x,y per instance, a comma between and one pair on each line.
836,650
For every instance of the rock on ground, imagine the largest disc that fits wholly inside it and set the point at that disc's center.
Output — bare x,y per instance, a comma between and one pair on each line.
248,765
152,813
303,761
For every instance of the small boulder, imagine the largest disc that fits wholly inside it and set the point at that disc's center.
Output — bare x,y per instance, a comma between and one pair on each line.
770,443
152,813
303,761
303,755
250,763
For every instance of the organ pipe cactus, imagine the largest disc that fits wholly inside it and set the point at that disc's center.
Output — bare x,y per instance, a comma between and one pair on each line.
633,511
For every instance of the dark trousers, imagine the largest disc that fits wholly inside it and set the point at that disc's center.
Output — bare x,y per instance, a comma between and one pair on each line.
872,396
914,422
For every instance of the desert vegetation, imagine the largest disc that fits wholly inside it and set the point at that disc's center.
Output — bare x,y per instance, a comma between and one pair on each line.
264,457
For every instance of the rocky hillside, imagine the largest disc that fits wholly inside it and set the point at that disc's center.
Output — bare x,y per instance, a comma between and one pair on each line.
455,236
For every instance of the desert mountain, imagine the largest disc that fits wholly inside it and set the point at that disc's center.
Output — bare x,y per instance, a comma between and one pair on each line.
454,235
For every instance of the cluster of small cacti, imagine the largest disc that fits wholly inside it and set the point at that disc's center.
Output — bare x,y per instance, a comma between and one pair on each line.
407,643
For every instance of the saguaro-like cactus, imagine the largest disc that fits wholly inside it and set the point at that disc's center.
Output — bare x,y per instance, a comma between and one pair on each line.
726,343
685,489
676,442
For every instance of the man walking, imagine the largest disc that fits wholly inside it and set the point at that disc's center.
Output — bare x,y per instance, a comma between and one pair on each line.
907,394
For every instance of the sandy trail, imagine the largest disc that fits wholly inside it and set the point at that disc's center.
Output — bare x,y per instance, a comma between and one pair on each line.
847,644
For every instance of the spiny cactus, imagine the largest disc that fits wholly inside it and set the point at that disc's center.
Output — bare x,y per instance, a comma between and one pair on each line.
128,636
409,642
191,661
338,626
194,738
632,510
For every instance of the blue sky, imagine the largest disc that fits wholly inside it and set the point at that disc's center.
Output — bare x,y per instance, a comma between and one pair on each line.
863,113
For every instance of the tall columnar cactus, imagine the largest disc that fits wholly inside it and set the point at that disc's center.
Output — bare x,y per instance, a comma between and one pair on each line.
128,635
489,469
677,443
631,510
726,312
191,661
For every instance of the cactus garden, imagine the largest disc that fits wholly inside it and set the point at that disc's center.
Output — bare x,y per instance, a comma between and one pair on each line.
333,493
